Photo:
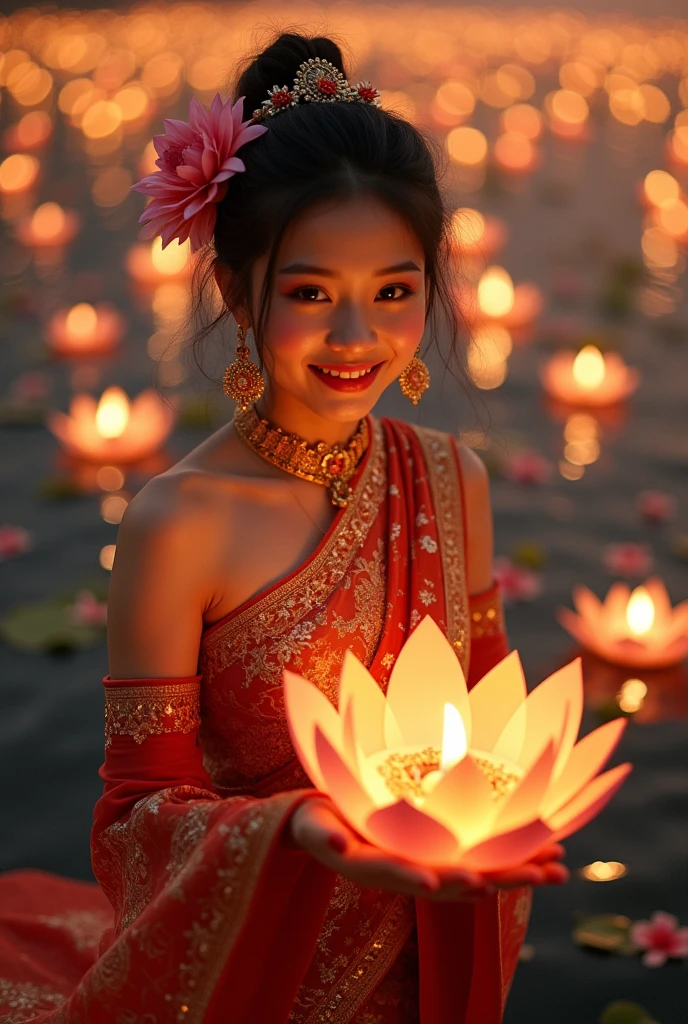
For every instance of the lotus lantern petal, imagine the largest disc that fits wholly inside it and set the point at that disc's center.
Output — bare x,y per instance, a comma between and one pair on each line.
438,775
639,629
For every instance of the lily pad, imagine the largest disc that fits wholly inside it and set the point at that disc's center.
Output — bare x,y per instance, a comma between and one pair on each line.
607,932
47,627
623,1012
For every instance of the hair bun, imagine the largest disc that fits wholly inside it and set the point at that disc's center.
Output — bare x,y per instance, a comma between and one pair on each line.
278,63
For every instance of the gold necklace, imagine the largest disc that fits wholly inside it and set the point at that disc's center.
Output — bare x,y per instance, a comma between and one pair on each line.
328,464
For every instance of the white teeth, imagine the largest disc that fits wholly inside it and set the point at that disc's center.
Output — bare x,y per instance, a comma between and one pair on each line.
353,375
345,375
335,373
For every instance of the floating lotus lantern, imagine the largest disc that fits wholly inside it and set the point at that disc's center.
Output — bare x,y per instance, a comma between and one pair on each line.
438,775
84,329
589,378
497,300
49,227
638,629
113,430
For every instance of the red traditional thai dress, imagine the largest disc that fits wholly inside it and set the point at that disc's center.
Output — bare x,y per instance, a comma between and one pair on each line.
217,917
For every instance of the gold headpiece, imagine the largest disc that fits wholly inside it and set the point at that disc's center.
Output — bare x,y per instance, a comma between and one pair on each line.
316,81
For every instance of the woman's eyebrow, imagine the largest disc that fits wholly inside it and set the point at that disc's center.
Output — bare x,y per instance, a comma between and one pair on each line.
307,268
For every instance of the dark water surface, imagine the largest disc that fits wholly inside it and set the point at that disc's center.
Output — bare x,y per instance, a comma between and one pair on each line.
577,211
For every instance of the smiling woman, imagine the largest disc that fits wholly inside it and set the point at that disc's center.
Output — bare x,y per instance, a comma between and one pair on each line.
304,528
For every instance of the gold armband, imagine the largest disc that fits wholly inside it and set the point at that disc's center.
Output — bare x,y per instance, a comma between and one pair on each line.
487,613
140,711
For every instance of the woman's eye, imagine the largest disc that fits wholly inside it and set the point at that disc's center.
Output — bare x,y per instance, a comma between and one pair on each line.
309,293
391,288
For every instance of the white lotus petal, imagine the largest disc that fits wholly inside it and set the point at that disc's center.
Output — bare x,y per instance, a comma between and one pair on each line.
494,700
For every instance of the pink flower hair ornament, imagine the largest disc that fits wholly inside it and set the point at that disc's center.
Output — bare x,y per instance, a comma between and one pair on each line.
196,159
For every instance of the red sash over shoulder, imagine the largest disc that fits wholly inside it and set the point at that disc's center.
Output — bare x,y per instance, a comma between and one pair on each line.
216,918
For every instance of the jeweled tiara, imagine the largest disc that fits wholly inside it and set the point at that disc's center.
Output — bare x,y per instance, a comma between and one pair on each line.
316,81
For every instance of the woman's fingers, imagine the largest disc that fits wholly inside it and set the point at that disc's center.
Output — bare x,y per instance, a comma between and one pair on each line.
554,851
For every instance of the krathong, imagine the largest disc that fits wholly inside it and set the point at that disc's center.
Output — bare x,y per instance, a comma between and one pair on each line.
113,429
589,378
438,775
639,629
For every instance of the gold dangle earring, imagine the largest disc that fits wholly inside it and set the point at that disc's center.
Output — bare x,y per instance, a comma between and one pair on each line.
415,379
243,380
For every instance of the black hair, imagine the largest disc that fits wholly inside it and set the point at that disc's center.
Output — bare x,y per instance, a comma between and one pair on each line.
314,152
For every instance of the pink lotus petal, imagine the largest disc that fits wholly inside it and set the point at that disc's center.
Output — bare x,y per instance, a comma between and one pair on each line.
522,805
508,849
587,604
655,958
404,830
341,782
463,801
494,700
588,803
641,934
587,757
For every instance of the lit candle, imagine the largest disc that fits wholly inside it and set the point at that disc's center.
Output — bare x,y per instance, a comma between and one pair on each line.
589,378
150,265
500,778
48,227
638,629
514,153
113,430
84,329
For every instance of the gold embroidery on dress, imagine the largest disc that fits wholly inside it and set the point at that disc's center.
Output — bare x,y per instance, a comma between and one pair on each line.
445,486
21,1001
141,711
487,614
84,927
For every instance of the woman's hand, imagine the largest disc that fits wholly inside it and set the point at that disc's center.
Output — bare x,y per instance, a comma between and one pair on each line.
317,827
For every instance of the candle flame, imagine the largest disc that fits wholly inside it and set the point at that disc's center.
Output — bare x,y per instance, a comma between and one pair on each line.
454,745
640,612
81,320
588,367
496,292
112,414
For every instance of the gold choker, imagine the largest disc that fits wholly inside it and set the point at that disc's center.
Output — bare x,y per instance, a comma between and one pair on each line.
321,463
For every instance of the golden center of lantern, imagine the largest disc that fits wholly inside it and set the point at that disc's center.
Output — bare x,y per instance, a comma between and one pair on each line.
404,774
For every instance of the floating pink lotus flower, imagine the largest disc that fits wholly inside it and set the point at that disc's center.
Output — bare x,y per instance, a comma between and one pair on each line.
113,429
661,937
628,559
87,610
516,581
639,629
438,775
588,378
656,507
528,467
195,160
14,540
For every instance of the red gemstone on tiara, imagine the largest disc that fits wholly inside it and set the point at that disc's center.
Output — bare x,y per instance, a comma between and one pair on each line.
326,86
281,99
367,93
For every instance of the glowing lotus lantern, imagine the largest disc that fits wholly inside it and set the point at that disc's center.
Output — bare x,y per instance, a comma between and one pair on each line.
84,329
438,775
639,629
113,430
48,227
589,378
497,300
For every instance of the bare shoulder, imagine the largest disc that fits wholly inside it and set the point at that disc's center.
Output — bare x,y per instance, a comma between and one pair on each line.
478,513
161,578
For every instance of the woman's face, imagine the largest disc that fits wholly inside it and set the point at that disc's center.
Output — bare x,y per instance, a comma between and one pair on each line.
346,317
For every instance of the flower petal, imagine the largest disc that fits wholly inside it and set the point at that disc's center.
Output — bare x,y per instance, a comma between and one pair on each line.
523,803
358,689
494,700
463,801
404,830
341,783
427,654
586,759
508,849
588,606
307,707
589,802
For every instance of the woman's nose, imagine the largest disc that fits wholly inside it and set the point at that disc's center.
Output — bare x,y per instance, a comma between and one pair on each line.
351,330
